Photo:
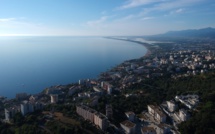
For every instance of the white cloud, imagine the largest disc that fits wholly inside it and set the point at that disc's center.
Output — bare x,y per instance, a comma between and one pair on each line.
147,18
103,12
158,5
177,11
97,22
136,3
175,4
6,19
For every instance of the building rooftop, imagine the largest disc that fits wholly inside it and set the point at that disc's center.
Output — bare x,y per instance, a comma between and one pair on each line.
148,129
128,124
162,126
101,116
171,101
129,113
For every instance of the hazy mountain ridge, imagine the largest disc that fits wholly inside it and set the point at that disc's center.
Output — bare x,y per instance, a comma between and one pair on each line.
190,33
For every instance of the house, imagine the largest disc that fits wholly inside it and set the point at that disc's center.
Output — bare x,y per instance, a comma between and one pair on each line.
109,111
54,98
171,106
10,112
148,130
26,107
72,90
183,115
162,129
92,115
128,126
21,96
101,121
33,98
130,115
157,113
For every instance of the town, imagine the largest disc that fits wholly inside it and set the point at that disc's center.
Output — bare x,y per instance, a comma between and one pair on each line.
93,100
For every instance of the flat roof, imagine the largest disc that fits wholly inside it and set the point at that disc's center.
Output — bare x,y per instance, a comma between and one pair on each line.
163,126
128,123
129,113
148,129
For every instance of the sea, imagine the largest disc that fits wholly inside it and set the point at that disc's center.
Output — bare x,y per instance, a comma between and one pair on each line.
31,64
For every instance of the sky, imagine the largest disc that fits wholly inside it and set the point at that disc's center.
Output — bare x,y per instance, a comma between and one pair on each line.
103,17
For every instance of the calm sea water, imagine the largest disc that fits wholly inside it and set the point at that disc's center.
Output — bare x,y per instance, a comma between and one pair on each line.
30,64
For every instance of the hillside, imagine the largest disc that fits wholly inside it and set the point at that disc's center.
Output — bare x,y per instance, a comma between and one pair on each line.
205,33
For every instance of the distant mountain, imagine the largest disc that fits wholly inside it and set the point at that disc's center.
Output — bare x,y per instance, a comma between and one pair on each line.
194,33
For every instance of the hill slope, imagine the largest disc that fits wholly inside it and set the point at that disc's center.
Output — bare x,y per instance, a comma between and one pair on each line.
206,32
192,33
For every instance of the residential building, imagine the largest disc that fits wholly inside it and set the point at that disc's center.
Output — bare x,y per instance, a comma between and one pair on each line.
33,98
26,107
109,111
128,126
171,106
148,130
92,115
183,115
10,112
109,90
105,85
72,90
157,113
38,106
162,129
84,82
54,90
21,96
130,115
97,89
54,98
86,112
101,121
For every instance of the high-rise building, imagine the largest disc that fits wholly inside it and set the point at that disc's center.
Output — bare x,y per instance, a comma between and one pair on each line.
21,96
148,130
10,112
54,98
92,115
171,106
26,107
109,111
183,114
128,126
130,115
157,113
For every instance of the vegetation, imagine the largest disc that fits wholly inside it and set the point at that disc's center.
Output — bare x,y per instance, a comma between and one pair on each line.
151,91
155,91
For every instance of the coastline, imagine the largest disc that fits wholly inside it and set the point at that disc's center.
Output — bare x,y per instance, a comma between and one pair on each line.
147,53
146,45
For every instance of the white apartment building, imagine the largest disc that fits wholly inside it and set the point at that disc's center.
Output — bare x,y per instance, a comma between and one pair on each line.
183,115
171,106
10,112
148,130
157,113
92,115
130,115
128,126
54,98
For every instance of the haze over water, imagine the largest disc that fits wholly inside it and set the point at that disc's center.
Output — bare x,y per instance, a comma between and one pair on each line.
30,64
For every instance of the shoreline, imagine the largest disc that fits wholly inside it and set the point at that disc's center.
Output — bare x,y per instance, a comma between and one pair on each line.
146,45
148,53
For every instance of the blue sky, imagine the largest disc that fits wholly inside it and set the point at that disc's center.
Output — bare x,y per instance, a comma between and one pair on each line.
103,17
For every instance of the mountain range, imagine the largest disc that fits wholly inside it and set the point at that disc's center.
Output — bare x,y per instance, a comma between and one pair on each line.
191,33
